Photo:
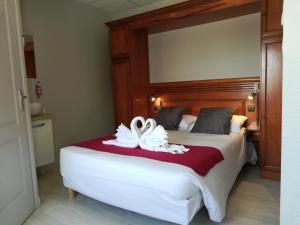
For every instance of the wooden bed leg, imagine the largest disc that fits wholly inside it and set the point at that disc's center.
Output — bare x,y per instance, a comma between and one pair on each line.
72,194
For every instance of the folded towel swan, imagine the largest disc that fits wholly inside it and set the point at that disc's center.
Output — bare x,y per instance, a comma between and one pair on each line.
125,137
153,136
149,137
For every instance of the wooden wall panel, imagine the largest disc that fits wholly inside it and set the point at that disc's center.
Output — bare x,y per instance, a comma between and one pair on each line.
271,89
129,41
138,42
122,91
129,46
273,98
232,93
271,107
188,9
29,60
271,17
274,11
119,41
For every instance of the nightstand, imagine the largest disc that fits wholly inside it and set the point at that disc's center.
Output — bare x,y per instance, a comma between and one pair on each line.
252,134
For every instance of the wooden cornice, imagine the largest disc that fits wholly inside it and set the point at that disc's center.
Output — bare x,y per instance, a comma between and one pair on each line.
220,85
184,10
272,35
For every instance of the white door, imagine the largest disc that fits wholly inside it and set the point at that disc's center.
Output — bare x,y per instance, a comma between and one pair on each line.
16,179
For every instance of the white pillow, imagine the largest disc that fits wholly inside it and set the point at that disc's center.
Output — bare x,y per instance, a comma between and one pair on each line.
187,122
191,126
237,122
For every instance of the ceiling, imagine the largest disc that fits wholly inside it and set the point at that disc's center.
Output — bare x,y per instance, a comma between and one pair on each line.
119,6
117,9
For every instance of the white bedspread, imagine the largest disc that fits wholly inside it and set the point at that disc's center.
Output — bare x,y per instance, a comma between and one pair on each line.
175,180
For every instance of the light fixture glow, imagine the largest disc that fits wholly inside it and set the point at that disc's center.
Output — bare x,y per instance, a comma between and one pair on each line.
251,96
157,103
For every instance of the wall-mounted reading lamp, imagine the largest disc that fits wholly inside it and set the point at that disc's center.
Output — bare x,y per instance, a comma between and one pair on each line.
157,103
251,107
253,93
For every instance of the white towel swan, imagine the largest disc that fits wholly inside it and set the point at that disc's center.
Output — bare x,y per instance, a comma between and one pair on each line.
148,137
126,137
155,138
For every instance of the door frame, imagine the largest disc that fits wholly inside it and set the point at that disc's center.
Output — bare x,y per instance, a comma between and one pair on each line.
27,106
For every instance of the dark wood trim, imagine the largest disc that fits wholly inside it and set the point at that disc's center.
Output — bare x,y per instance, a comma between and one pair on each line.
226,85
269,155
119,41
270,94
184,10
271,18
121,91
28,46
273,34
29,60
203,18
129,41
194,95
269,174
139,58
273,39
120,56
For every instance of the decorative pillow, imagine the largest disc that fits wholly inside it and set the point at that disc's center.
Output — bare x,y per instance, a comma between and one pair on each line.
237,122
169,117
213,121
186,122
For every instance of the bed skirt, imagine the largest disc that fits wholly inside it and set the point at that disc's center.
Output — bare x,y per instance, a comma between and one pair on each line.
137,199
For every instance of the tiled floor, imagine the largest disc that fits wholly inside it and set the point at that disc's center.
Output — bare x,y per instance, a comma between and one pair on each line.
253,201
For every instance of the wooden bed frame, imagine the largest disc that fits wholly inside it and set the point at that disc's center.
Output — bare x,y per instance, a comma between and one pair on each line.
232,93
72,194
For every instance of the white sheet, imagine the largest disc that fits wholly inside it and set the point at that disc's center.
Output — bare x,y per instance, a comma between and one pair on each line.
173,180
136,198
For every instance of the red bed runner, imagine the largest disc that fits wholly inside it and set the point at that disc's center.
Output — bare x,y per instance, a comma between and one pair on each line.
200,158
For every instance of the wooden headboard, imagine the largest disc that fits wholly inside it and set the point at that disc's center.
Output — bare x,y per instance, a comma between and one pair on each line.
219,93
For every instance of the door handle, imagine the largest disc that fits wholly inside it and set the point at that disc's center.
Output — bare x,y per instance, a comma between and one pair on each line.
22,98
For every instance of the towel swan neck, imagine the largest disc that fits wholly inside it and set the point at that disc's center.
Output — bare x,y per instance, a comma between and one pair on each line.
153,136
148,126
134,128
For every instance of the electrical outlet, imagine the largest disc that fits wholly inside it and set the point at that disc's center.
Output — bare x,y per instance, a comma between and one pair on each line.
251,108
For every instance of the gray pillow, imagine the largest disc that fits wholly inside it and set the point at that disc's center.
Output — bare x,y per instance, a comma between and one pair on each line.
169,117
213,121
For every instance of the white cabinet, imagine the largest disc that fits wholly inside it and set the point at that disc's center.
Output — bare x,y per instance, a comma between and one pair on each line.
43,141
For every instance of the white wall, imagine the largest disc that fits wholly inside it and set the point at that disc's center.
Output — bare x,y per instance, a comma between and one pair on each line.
222,49
72,61
290,162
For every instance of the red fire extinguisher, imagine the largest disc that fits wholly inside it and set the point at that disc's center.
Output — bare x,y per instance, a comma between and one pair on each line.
38,89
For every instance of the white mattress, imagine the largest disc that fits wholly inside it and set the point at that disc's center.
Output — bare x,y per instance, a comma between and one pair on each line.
167,180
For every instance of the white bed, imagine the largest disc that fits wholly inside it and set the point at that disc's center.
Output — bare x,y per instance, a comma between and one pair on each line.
158,189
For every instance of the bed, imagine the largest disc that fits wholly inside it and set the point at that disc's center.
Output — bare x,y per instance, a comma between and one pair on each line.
162,190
